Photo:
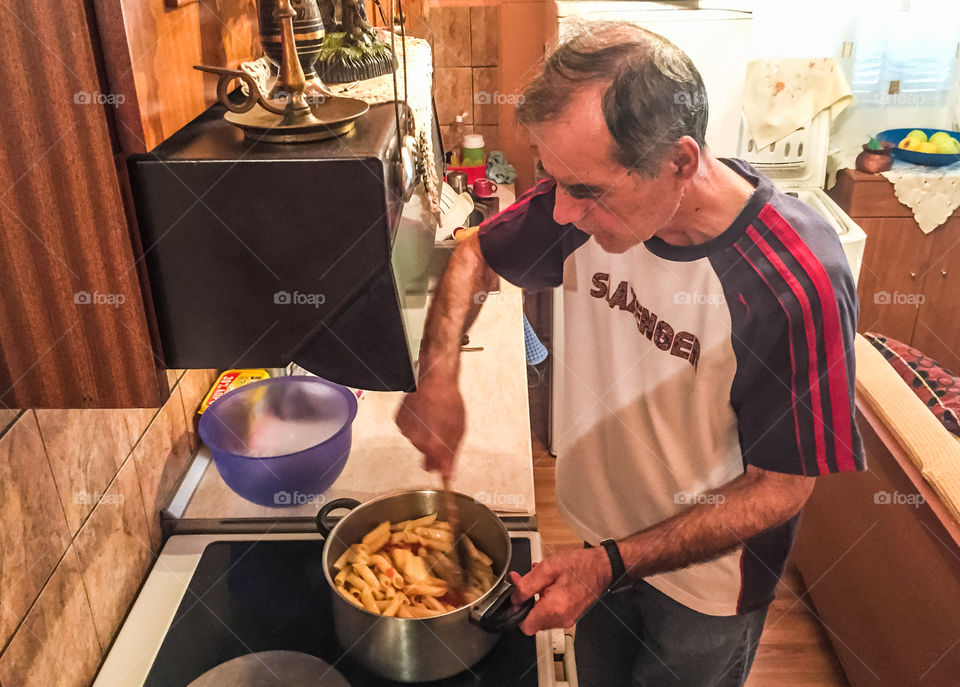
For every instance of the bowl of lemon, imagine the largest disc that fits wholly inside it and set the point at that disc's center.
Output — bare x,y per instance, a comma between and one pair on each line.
931,147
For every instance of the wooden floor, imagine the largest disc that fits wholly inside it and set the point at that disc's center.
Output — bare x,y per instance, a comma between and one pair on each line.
794,650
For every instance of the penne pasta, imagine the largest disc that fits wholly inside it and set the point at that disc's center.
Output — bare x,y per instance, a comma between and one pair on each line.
367,575
367,599
377,537
393,606
407,570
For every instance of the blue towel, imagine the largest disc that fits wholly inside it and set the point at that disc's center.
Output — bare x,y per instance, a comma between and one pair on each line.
499,169
536,351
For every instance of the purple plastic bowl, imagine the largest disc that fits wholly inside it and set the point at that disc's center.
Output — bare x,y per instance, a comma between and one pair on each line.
290,412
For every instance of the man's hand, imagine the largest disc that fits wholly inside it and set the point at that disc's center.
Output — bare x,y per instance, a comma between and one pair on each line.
568,584
433,419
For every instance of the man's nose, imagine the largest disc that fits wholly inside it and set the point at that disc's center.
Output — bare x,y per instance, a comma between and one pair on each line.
567,210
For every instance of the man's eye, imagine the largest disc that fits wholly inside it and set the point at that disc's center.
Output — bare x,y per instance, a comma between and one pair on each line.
581,194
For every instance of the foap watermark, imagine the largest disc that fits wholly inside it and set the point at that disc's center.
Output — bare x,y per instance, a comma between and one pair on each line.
704,498
498,98
285,498
689,99
98,98
481,297
897,298
697,298
497,500
97,298
885,498
311,99
297,298
898,99
90,498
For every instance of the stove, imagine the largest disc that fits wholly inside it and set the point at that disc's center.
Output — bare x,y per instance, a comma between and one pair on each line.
211,598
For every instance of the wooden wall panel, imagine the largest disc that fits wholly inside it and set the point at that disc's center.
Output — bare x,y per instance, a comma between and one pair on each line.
149,53
64,237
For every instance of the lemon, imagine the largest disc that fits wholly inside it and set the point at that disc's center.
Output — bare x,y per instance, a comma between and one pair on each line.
949,146
939,138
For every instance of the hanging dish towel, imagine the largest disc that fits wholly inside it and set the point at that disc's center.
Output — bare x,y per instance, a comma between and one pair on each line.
780,96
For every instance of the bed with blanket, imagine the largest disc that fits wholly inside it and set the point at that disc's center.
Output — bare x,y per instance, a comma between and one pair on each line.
879,551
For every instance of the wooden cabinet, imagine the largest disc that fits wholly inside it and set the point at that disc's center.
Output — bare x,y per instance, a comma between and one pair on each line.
910,281
88,83
938,323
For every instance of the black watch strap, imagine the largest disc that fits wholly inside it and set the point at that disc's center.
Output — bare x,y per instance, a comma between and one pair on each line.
619,582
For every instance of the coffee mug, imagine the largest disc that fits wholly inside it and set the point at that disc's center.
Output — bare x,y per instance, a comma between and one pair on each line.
484,188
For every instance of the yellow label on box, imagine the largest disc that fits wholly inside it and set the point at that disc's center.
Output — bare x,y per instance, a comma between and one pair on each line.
228,381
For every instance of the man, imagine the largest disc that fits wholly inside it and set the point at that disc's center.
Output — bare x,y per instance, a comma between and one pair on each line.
709,323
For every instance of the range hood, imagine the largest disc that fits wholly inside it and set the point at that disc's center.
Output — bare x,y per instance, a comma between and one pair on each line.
260,254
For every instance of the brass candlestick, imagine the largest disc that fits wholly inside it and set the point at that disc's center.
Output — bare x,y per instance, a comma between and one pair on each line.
286,115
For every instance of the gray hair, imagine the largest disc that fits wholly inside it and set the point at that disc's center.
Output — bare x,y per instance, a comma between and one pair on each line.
655,96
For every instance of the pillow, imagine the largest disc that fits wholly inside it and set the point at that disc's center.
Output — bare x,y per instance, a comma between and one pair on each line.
936,386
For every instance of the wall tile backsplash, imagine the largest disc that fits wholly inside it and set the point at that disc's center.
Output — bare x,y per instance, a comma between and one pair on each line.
466,55
80,495
33,530
56,646
85,449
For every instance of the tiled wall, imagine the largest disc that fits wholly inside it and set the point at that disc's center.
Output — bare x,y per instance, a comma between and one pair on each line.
466,54
80,494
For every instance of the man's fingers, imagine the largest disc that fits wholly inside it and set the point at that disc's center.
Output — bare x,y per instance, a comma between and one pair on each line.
544,614
532,583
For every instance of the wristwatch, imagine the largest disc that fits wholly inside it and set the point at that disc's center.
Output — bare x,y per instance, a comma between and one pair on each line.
620,582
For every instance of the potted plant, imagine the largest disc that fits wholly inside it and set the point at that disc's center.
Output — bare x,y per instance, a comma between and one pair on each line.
877,156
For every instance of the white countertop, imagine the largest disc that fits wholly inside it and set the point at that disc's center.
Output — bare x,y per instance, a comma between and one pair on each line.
494,464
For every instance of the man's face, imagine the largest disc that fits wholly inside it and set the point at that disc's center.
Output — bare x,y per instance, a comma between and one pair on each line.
619,208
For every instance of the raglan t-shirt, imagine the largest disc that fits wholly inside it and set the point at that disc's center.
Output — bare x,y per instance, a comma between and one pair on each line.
684,364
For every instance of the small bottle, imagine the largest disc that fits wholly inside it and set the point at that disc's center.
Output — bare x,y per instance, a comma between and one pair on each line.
456,146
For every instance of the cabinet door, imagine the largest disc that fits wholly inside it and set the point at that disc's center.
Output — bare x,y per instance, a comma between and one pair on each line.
74,330
938,327
895,262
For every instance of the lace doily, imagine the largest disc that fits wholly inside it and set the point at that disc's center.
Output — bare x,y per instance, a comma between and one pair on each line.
420,77
933,193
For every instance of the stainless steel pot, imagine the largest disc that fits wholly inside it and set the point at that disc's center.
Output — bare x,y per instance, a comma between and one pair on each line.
420,649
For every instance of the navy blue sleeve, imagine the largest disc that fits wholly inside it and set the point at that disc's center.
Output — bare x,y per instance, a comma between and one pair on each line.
524,245
793,307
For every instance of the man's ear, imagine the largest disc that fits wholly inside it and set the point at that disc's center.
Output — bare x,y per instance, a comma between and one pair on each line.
685,158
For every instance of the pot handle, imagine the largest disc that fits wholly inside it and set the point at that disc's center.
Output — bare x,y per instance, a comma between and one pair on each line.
497,614
323,517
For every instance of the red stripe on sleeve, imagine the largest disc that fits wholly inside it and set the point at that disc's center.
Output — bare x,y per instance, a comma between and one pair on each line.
837,382
810,333
793,366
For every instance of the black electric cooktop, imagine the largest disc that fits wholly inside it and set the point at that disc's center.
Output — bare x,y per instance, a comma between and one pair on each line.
249,596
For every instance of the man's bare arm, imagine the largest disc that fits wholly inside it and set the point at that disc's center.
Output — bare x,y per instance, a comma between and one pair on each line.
454,307
730,515
756,501
433,418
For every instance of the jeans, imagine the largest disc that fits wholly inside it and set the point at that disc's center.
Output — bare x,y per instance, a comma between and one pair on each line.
643,638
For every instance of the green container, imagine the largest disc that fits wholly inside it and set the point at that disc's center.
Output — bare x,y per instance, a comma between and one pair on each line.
473,150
